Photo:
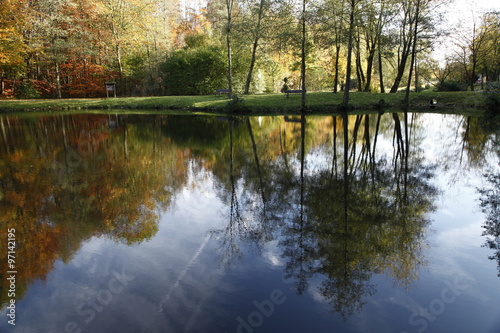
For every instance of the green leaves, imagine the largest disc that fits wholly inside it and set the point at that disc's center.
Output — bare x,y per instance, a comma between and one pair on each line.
195,71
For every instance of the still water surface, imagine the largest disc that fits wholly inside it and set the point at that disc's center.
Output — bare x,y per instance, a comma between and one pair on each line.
148,223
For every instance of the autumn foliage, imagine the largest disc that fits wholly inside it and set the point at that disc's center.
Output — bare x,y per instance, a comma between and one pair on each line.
85,79
71,48
80,181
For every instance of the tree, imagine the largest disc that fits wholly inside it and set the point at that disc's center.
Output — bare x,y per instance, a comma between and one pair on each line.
52,28
414,19
331,33
374,17
477,49
471,49
13,50
405,39
413,52
352,13
257,35
303,57
229,26
195,70
489,50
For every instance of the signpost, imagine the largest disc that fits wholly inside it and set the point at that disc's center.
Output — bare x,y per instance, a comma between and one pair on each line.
110,86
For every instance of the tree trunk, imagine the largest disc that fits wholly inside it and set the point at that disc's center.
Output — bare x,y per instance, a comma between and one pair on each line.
345,101
229,4
336,80
118,53
413,55
58,80
400,73
369,69
405,53
303,65
252,65
359,67
473,73
254,49
381,72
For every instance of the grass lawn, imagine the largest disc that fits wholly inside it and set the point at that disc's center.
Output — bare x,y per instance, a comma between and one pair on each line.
318,102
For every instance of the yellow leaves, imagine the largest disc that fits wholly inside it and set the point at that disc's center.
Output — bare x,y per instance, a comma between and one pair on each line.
12,47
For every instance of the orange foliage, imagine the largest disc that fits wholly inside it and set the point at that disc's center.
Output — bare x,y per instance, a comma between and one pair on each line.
85,79
44,88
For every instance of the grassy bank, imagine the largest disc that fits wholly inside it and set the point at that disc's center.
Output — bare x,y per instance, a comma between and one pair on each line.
318,102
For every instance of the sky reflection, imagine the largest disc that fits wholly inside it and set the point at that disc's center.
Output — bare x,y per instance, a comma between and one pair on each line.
242,234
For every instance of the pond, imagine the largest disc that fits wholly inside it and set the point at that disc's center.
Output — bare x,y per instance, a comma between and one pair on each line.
157,223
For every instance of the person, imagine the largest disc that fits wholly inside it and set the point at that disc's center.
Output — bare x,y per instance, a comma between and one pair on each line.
285,85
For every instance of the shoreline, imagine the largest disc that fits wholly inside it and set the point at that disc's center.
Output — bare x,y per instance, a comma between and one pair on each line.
266,104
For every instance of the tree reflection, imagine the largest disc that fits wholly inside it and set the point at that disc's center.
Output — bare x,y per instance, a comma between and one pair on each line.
365,220
360,216
298,244
65,179
490,204
342,219
474,141
237,227
344,226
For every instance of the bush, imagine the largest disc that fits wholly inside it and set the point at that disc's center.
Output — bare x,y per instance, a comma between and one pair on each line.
26,90
492,95
492,87
198,71
450,86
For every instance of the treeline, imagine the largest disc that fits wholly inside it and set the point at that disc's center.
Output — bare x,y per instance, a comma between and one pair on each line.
71,48
56,48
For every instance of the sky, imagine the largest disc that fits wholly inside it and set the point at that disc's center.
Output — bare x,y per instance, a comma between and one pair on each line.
461,14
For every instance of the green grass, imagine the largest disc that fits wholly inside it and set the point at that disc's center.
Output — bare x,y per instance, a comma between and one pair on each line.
318,102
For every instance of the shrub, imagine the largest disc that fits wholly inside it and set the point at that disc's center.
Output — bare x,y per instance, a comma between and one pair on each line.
26,90
492,95
198,71
492,87
450,86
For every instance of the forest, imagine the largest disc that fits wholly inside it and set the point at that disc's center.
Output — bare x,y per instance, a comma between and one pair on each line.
71,48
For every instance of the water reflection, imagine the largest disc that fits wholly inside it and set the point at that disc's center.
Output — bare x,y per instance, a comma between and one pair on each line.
362,213
68,178
342,206
490,204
